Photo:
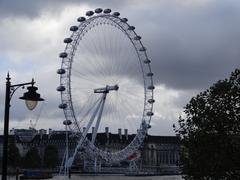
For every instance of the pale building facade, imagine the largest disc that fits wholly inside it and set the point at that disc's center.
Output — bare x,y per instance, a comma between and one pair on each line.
158,153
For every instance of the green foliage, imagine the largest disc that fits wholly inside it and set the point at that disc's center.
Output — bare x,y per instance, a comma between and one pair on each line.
51,157
14,158
32,159
210,132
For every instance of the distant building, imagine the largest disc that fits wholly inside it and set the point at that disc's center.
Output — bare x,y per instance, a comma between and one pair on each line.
158,153
24,134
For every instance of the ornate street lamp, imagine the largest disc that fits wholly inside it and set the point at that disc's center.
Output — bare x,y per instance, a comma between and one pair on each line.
31,98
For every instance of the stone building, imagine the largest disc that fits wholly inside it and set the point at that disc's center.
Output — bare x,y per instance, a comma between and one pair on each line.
157,154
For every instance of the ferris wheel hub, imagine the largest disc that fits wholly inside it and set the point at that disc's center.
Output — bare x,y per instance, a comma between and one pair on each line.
106,89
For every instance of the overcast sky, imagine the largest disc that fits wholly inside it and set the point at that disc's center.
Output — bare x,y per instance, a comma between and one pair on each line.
192,44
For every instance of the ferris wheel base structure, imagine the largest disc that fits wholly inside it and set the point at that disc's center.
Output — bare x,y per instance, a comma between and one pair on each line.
104,64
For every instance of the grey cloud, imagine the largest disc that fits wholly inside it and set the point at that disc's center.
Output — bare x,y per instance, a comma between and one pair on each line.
193,47
31,9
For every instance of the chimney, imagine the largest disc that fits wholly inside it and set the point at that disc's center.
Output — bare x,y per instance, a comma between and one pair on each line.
107,132
49,132
40,133
126,133
120,133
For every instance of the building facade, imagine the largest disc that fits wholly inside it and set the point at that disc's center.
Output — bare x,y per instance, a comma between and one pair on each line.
157,154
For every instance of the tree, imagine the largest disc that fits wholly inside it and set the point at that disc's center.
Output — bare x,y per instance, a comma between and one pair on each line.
210,132
50,157
14,157
32,159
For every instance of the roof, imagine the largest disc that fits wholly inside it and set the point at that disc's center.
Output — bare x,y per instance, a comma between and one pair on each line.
101,138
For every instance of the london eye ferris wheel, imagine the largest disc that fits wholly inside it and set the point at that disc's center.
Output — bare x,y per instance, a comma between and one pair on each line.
105,81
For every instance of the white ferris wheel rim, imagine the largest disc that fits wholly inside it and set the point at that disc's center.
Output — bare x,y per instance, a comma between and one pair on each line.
65,80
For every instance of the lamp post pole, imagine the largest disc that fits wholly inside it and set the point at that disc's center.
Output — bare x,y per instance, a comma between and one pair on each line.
10,90
6,125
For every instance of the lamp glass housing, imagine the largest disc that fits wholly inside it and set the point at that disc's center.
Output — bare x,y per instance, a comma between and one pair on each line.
31,97
31,104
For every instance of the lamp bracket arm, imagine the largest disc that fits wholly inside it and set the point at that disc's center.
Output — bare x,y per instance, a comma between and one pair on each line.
23,84
15,87
13,90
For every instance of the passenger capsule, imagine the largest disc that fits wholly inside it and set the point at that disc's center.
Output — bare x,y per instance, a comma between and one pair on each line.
67,122
62,106
151,87
61,88
89,13
150,113
150,74
124,20
107,11
142,49
63,55
81,19
73,28
151,101
137,38
67,40
98,10
61,71
131,28
147,61
116,14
